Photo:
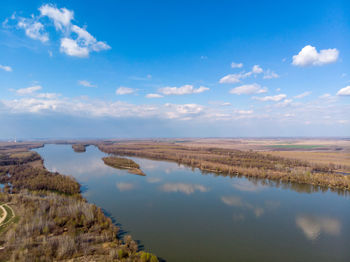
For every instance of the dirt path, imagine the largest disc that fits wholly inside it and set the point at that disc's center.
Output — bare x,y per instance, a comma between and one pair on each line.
4,214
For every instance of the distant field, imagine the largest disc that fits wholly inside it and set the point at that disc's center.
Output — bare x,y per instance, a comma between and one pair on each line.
297,146
269,144
338,158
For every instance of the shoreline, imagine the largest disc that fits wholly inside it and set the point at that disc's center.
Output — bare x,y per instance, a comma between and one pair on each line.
37,185
247,164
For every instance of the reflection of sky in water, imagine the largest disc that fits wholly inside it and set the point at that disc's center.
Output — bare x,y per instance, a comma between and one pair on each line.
125,186
183,215
312,226
183,188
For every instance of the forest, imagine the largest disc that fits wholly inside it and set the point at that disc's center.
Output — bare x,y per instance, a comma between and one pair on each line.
236,163
52,220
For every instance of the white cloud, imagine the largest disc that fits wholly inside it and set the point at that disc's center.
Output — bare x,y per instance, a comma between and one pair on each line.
75,41
245,112
141,78
184,112
236,78
284,103
81,47
95,108
277,112
230,79
124,90
48,95
28,90
87,40
83,44
219,103
6,68
50,103
154,96
270,74
33,29
85,83
71,47
257,69
308,56
61,17
289,115
344,91
275,98
325,96
303,94
183,90
248,89
83,35
236,65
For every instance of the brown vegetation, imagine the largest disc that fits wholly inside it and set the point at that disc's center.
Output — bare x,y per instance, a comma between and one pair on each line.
339,159
236,162
53,221
123,163
271,144
79,148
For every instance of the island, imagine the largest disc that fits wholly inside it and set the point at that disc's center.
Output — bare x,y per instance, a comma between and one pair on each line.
79,148
123,163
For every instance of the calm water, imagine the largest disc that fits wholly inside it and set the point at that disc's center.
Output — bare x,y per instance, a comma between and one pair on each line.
182,215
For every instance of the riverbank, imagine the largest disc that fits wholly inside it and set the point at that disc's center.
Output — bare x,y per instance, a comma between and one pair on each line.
54,221
236,163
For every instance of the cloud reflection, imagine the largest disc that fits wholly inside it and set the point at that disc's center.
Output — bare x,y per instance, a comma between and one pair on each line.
125,186
235,201
247,186
312,226
153,180
183,188
84,169
238,217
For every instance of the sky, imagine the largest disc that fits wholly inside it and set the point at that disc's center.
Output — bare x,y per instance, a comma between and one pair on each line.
127,69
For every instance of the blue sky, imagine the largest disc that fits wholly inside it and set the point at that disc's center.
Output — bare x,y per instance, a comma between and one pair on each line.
174,68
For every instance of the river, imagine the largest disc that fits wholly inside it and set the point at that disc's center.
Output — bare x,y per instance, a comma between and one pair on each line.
181,214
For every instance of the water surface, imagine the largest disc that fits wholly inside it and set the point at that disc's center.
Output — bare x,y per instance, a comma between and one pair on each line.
181,214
